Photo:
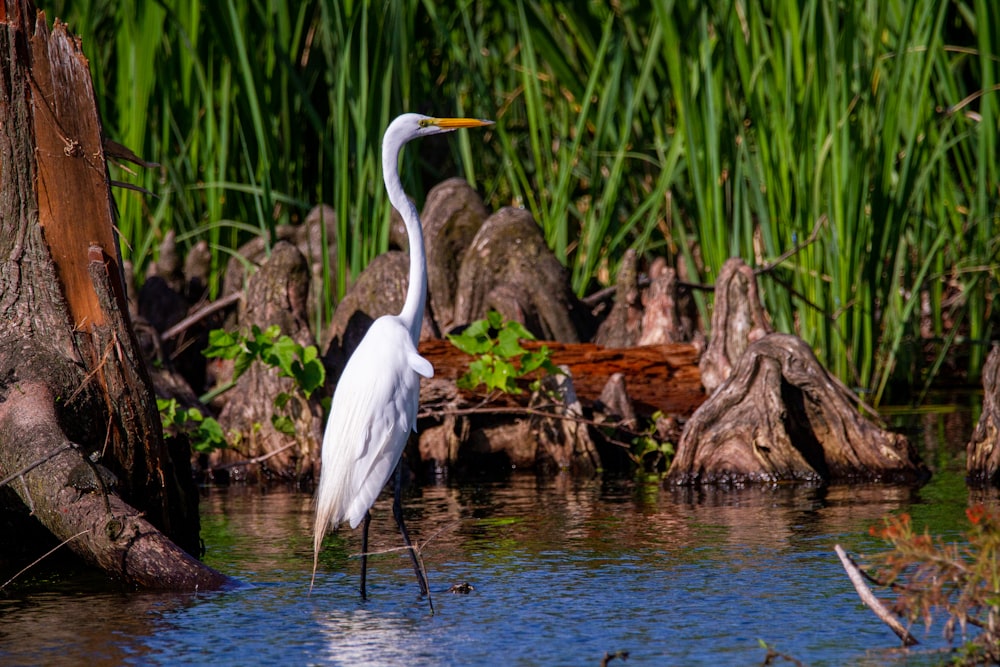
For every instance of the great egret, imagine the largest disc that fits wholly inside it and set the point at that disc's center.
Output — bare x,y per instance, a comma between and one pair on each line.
375,404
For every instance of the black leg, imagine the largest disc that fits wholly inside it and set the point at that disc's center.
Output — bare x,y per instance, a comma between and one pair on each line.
397,511
364,555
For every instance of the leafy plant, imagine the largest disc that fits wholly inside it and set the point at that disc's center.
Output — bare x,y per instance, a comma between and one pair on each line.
204,433
500,360
963,580
650,451
292,360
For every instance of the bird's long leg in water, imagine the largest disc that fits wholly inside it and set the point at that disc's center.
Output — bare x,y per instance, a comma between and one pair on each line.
397,511
364,555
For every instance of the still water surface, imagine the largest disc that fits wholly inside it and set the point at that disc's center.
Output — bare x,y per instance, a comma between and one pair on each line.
563,571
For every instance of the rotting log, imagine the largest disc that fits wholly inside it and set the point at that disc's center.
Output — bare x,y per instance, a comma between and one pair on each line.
983,450
781,417
457,428
661,378
70,368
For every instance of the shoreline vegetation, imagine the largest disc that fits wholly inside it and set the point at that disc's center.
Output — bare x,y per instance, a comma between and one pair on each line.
695,133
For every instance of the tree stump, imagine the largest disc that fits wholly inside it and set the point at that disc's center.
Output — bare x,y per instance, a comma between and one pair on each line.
277,294
508,268
781,417
983,450
379,290
738,319
452,215
623,325
74,392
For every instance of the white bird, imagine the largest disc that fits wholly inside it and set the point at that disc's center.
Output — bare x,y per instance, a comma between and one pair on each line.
374,406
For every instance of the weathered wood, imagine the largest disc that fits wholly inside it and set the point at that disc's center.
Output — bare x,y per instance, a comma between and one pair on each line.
277,294
93,521
379,290
623,325
983,450
66,342
669,314
452,215
738,319
657,377
509,268
781,416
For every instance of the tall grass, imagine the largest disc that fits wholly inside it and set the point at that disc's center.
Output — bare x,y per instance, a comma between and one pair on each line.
698,130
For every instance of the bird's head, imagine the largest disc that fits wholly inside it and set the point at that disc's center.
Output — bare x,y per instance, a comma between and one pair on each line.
412,125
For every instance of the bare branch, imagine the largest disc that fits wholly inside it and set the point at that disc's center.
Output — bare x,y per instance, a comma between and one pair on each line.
873,603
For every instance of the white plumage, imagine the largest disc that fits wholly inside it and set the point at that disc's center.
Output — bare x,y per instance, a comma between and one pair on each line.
375,403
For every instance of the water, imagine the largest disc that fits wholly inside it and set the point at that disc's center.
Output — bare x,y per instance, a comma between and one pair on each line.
563,571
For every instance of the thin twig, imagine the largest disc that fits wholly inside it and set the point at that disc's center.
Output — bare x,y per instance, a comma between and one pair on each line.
417,552
200,314
256,459
873,603
43,557
517,410
813,235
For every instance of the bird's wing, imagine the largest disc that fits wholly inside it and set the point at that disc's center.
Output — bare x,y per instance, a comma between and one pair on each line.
374,408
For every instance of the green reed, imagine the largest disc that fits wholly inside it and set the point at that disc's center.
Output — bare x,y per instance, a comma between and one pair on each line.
696,130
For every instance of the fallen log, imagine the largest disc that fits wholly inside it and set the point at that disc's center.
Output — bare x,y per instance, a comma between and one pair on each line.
661,378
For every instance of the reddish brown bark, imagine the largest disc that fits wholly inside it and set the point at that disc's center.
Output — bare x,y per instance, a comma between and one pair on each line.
71,374
657,377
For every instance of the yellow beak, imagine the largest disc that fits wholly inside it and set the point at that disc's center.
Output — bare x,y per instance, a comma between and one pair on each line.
455,123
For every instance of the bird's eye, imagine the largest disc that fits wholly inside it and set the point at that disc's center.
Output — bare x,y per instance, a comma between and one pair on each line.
424,122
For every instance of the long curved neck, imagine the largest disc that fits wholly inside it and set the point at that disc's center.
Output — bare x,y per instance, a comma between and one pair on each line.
416,290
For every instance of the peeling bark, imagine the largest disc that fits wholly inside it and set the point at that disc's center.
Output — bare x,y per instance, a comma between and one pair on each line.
71,370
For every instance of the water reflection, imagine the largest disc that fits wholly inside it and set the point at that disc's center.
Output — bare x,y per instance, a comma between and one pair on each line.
563,570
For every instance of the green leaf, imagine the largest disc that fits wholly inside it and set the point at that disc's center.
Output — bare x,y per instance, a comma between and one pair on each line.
283,424
509,344
222,344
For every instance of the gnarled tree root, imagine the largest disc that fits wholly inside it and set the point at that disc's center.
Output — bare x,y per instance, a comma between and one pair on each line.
95,522
781,417
983,450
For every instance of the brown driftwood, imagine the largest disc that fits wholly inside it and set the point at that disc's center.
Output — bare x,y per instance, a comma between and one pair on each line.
277,294
70,365
738,319
781,416
983,450
857,578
